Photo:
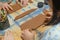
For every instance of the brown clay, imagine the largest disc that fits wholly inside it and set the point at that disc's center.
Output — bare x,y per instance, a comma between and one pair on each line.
15,8
34,22
24,14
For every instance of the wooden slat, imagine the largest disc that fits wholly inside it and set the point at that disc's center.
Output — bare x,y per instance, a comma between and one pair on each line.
24,14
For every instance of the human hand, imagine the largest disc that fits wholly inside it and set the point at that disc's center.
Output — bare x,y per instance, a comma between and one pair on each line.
6,6
23,2
27,35
48,13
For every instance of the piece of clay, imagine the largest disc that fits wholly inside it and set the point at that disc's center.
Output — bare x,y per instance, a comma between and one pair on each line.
15,8
24,14
34,22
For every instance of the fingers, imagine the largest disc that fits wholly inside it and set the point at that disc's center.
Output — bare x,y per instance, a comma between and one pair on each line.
22,35
21,1
10,7
4,9
26,35
48,14
7,7
24,2
18,1
27,32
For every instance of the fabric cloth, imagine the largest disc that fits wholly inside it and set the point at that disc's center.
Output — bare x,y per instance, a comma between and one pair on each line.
52,33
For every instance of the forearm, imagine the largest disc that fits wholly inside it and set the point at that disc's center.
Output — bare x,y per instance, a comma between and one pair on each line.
0,5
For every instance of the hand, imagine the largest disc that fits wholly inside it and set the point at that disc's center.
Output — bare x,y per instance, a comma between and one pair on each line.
8,36
6,6
23,2
27,35
0,5
48,13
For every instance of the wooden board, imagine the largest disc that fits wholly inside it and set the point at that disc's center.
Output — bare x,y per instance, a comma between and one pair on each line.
34,22
24,14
